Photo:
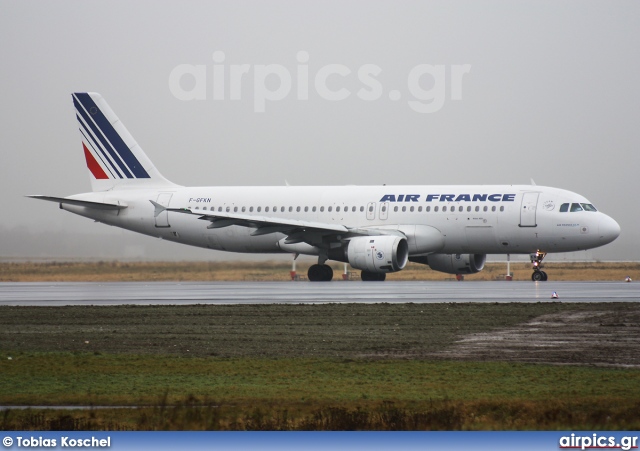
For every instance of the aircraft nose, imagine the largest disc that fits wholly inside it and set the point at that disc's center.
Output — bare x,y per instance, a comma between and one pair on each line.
609,229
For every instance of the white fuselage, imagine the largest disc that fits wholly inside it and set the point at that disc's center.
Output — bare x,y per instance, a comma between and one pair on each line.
483,219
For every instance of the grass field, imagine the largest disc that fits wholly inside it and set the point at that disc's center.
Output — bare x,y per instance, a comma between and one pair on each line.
307,367
309,394
278,271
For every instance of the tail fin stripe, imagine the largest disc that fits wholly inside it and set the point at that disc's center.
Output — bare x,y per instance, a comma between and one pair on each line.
106,164
110,133
93,165
101,141
90,108
93,142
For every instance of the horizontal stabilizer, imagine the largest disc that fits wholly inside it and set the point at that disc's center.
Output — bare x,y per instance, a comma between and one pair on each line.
159,208
83,203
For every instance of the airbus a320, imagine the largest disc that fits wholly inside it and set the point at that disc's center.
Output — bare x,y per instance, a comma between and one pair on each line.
376,229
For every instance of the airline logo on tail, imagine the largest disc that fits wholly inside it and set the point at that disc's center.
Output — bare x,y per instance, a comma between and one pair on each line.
107,155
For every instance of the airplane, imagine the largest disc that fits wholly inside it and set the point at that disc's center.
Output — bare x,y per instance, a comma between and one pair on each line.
376,229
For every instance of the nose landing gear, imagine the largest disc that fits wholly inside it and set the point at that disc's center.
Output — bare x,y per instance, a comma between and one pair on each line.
536,260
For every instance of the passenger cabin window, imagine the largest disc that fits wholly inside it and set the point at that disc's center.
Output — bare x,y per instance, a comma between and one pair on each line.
321,208
361,209
411,209
260,208
338,209
435,208
404,209
329,209
353,209
395,208
313,209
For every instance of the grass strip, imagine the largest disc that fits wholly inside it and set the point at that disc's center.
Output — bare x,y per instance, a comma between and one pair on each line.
88,379
313,394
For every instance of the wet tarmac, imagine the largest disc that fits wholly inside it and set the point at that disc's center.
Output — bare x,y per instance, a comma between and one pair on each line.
185,293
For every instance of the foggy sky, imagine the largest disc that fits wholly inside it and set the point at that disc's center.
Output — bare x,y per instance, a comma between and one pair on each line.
552,94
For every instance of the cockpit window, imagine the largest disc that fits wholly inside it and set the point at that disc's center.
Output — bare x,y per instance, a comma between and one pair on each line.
577,207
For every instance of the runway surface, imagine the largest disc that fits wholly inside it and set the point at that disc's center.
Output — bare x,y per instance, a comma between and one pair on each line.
175,293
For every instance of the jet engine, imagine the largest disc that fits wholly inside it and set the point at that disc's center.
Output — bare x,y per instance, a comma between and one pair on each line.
378,254
454,263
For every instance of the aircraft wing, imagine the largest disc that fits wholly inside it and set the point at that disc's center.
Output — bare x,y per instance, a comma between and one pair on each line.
297,231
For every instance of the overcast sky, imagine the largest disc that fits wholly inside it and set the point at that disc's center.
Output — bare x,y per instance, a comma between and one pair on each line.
518,90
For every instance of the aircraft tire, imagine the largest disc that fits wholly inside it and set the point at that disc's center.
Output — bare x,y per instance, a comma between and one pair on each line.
327,273
537,276
320,273
367,276
544,276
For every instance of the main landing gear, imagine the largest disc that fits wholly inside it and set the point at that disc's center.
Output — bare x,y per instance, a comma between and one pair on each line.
536,260
320,273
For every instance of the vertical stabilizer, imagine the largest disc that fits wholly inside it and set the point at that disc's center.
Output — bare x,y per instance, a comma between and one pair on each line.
114,158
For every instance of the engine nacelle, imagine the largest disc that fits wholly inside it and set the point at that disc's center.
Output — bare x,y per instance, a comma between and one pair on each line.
454,263
378,254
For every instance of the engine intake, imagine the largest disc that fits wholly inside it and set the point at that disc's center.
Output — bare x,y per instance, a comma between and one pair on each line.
378,254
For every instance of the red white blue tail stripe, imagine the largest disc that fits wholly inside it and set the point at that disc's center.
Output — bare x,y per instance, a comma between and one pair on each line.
106,153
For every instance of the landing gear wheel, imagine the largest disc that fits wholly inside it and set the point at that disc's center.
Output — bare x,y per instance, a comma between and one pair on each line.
320,273
536,260
538,276
367,276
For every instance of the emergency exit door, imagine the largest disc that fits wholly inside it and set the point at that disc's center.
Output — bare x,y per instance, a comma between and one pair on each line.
371,211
